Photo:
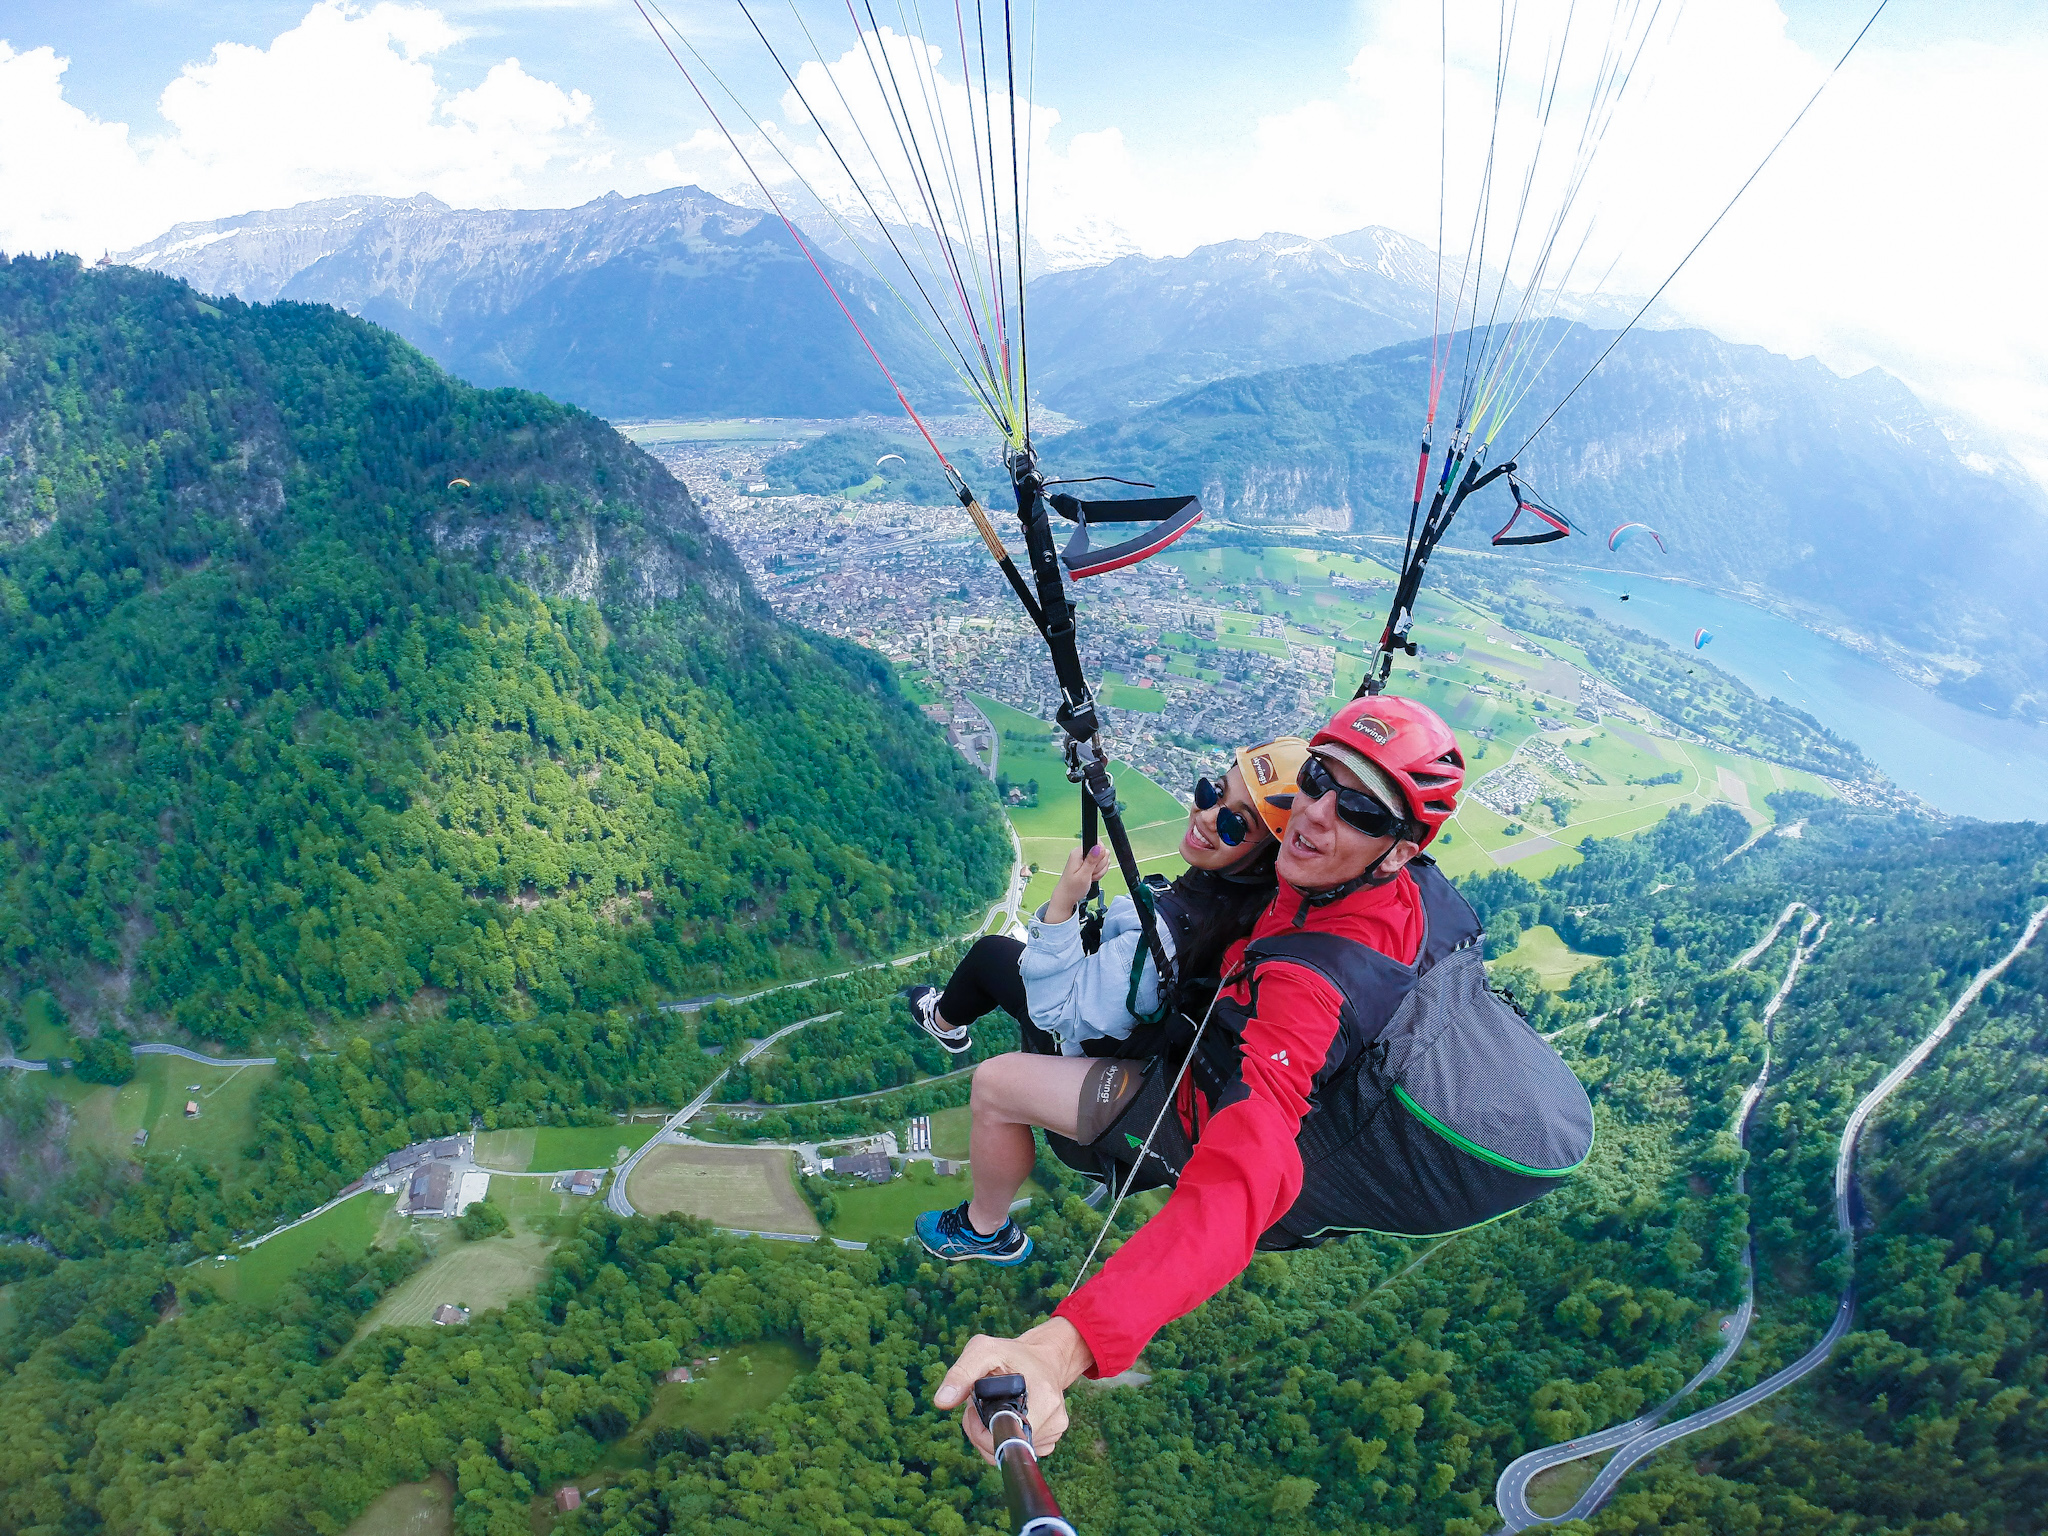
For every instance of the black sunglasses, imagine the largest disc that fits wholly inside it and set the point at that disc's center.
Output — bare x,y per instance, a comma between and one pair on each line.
1230,825
1354,805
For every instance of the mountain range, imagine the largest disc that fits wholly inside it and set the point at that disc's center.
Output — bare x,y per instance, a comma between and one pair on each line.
681,303
1134,331
673,304
1280,375
1762,473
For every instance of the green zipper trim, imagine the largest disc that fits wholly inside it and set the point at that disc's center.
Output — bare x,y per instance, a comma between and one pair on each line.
1473,1147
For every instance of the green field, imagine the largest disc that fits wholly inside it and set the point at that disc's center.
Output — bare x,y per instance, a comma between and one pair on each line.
509,1150
1554,962
1556,1489
949,1132
1048,830
870,1213
257,1274
480,1275
747,1378
554,1148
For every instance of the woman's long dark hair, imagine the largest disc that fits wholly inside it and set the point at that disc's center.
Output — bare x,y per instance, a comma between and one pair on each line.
1222,906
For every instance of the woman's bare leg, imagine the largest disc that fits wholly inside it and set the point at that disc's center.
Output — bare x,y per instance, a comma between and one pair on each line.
1013,1093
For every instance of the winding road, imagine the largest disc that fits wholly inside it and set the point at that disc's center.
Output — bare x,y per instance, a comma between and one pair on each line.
1511,1492
1641,1438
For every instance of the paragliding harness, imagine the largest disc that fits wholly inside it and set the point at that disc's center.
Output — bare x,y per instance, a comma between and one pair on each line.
1053,614
1440,1109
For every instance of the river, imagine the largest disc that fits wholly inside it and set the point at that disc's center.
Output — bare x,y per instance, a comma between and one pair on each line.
1962,760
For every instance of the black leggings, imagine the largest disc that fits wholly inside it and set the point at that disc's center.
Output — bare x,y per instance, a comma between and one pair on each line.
986,979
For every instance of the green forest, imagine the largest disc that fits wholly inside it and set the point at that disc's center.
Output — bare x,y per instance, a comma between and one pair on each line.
332,684
1373,1385
426,735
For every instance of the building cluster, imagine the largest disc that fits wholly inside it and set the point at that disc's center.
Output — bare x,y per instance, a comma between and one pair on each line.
1509,789
433,1178
917,585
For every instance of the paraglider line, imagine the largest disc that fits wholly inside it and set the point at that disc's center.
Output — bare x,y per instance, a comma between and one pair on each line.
1688,256
740,154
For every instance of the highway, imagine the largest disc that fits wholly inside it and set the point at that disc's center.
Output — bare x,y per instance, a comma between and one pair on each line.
1637,1444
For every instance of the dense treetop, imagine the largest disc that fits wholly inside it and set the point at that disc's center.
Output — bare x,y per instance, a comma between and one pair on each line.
329,681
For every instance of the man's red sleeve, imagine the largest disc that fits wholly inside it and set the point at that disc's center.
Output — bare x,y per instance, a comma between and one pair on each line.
1243,1177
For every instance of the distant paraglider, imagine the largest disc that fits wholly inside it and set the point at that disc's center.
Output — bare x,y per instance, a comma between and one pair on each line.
1701,638
458,485
1628,533
1624,597
885,458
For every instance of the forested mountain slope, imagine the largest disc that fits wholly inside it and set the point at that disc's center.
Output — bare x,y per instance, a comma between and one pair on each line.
676,303
1371,1386
329,682
1761,472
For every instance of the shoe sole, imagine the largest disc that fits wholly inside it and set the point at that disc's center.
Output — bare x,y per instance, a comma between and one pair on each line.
1003,1261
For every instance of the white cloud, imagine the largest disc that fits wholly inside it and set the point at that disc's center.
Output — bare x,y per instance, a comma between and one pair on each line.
1896,228
347,101
858,100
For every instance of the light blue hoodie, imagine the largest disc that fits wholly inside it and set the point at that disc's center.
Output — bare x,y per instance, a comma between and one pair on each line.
1075,996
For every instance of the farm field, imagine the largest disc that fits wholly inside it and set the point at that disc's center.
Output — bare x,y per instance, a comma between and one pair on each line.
154,1100
1496,688
259,1273
742,1187
554,1148
480,1275
410,1509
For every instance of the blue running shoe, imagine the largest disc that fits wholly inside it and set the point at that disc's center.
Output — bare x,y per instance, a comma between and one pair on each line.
924,1007
949,1235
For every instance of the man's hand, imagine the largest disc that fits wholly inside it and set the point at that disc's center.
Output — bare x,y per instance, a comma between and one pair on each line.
1084,868
1050,1358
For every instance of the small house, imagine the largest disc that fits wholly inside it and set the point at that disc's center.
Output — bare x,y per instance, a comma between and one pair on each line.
677,1373
946,1167
568,1497
191,1109
141,1138
583,1182
447,1314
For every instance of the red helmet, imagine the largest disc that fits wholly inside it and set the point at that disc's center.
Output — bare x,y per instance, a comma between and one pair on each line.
1403,752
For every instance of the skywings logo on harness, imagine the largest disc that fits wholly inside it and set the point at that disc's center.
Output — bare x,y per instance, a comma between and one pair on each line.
1373,726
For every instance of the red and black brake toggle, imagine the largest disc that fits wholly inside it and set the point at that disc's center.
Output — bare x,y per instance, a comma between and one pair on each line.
1552,524
1171,516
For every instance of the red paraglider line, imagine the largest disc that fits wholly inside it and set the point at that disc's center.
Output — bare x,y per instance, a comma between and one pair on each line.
740,154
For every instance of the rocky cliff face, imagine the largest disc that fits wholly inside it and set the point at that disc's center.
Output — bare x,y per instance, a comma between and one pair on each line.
676,303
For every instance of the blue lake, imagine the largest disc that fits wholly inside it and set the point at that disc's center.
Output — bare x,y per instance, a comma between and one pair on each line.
1964,761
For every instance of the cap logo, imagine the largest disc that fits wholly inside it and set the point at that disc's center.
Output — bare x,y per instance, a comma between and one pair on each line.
1373,726
1262,768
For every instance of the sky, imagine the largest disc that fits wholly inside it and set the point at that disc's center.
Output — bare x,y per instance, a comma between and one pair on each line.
1898,227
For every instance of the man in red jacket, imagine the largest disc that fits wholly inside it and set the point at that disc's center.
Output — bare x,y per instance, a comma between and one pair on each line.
1381,779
